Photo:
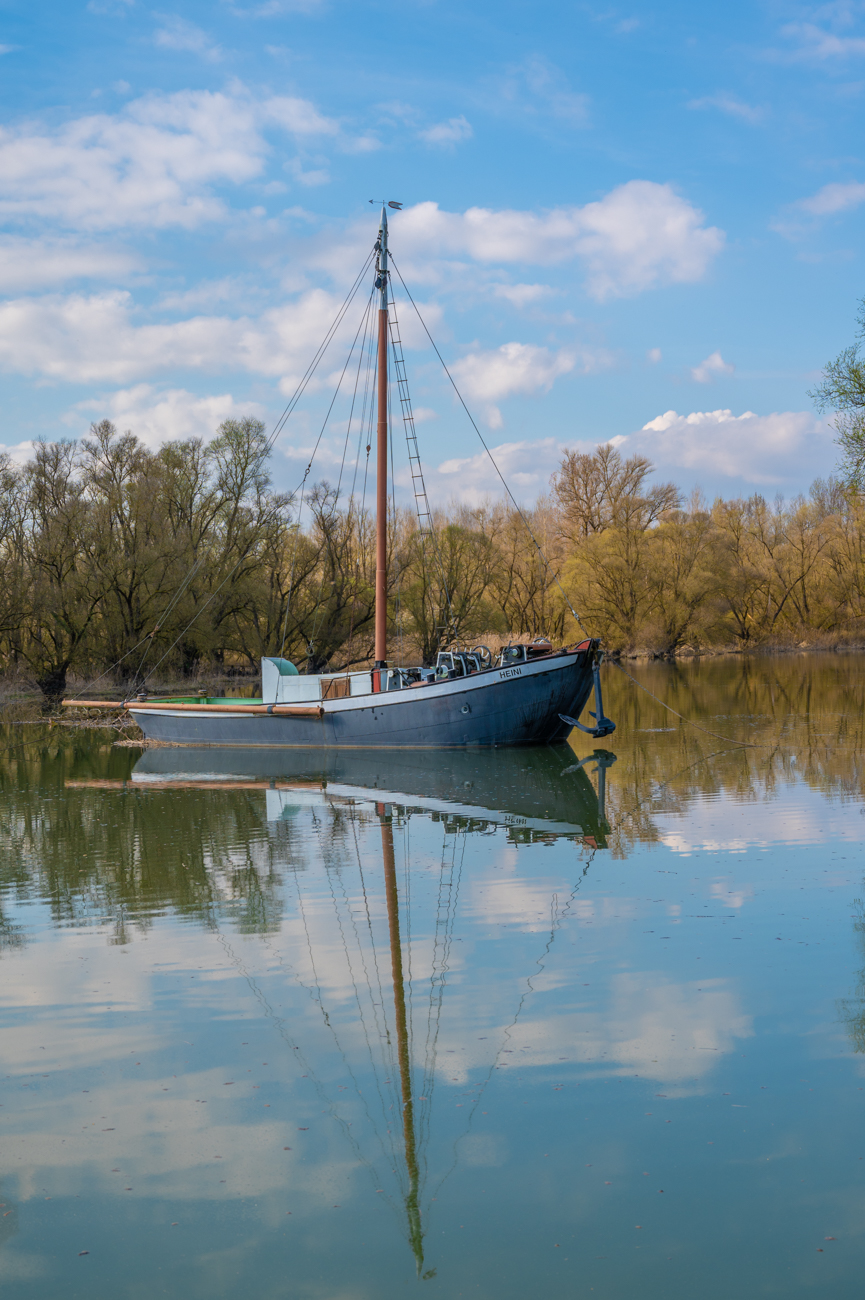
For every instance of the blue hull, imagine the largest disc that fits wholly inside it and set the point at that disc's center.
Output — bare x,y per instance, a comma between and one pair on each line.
495,707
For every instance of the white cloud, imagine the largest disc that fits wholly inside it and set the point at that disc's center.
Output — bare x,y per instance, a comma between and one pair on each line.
640,235
153,164
835,197
511,368
40,263
449,133
679,1028
19,452
711,368
178,34
522,295
538,88
297,116
815,43
311,177
273,8
515,368
526,466
424,413
654,355
208,294
158,416
784,450
731,105
86,338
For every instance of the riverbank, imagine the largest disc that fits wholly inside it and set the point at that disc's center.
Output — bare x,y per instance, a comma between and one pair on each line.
821,643
20,697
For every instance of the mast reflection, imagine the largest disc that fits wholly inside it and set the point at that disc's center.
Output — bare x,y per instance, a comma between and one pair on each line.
534,797
412,1203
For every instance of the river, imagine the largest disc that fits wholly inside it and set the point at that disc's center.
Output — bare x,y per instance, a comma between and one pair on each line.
585,1021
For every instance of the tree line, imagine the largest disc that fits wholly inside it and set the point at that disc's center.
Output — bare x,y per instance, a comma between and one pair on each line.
136,563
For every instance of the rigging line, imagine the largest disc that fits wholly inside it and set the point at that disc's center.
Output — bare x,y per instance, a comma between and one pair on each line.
445,890
300,508
557,920
360,360
147,639
337,868
357,997
318,440
318,1086
317,998
281,1029
363,410
391,532
439,969
391,1155
365,896
450,921
403,817
165,613
704,758
90,684
370,416
361,523
511,496
322,348
364,322
370,422
302,384
746,744
243,558
291,571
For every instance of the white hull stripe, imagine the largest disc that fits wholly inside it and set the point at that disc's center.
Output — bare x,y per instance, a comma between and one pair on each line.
391,699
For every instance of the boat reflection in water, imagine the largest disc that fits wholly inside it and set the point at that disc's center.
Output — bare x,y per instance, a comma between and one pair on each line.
539,792
537,796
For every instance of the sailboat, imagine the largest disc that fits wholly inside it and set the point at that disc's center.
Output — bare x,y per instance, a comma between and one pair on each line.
529,694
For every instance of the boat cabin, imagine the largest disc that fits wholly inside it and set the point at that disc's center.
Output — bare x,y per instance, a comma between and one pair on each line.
282,683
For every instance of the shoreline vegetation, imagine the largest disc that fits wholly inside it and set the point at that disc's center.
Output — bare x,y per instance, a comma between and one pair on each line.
183,567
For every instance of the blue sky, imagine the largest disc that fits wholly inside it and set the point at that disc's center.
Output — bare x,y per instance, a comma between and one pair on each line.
637,222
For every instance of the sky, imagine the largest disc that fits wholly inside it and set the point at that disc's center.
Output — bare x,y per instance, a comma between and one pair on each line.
637,223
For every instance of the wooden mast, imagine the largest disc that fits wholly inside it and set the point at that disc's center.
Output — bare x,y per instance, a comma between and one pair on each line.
381,461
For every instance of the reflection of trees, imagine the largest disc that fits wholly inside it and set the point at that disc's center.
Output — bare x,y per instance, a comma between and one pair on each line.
117,854
124,854
95,848
804,712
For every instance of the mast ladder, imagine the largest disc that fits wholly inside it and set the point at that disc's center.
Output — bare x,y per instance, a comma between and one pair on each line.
426,530
424,516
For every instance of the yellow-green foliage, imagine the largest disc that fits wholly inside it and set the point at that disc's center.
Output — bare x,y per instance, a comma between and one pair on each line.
116,557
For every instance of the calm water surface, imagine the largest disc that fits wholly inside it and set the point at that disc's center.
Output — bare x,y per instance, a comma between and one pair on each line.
381,1025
